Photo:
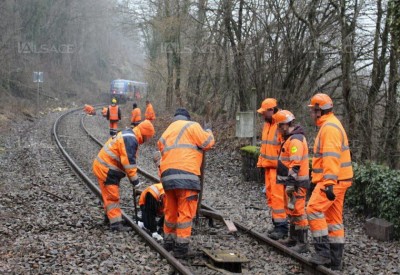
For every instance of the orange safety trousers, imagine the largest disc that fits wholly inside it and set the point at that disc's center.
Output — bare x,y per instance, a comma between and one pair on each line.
275,195
325,216
110,195
298,216
114,125
180,209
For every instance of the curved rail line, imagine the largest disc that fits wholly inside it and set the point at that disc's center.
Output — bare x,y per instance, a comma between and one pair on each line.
307,267
94,188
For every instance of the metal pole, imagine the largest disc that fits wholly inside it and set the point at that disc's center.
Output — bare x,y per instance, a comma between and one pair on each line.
135,205
254,97
37,97
203,164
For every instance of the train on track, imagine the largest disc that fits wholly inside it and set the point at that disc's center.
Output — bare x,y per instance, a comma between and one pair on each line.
124,90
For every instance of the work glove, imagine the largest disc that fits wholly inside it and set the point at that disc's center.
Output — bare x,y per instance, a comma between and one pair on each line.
290,190
282,169
208,127
157,236
135,183
329,192
140,224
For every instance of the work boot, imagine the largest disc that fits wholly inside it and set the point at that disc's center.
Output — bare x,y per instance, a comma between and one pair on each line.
181,251
322,249
273,228
292,239
336,256
278,234
280,231
302,245
118,226
169,244
106,221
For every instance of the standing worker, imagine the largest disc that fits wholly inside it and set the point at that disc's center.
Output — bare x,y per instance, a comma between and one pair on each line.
268,159
332,174
149,114
293,172
116,159
136,115
182,146
151,204
113,115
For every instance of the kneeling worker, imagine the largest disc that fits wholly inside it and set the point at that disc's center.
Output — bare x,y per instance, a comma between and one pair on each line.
89,110
151,204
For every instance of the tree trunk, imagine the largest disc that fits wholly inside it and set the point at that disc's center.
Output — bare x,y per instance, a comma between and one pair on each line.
170,78
391,122
378,74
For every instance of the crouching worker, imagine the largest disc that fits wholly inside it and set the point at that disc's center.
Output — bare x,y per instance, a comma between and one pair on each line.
182,146
293,172
89,110
116,159
104,111
136,115
151,204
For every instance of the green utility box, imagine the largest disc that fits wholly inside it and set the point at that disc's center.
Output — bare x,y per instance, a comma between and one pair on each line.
250,171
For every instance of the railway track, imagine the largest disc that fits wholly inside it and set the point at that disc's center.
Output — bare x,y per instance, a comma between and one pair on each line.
295,264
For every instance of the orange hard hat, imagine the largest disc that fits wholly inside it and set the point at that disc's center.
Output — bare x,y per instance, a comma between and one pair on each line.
146,128
323,101
268,103
283,116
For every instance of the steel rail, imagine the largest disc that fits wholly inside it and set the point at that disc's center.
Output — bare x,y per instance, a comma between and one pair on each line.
95,189
307,267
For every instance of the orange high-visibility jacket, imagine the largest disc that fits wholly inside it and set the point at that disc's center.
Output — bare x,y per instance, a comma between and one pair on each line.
150,114
156,190
181,146
293,164
270,146
89,109
331,161
113,113
118,156
136,115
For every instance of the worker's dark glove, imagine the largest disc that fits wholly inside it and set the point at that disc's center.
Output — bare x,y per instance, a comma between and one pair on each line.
135,182
329,192
282,169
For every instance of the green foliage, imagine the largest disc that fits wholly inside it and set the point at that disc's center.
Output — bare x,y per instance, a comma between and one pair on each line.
251,150
376,192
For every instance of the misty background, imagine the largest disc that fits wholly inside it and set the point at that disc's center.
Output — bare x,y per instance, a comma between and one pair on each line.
211,57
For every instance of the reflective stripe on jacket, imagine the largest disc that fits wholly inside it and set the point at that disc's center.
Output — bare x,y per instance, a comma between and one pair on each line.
118,155
136,115
113,113
149,114
331,161
156,190
293,164
182,145
270,146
